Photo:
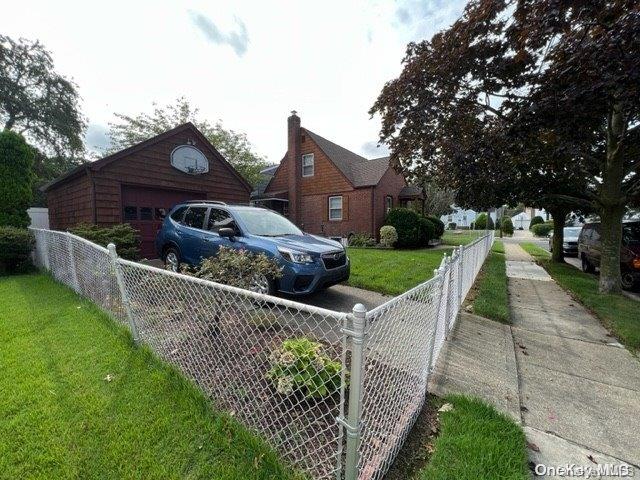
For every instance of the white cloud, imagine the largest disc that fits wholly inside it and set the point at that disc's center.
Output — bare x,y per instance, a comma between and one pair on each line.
326,60
238,40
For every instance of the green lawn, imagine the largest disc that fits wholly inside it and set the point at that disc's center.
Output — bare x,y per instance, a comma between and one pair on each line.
477,442
392,271
79,401
460,237
489,292
617,312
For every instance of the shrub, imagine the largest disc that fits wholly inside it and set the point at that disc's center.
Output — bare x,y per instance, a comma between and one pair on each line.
427,231
507,226
361,240
439,224
542,229
407,224
537,220
237,268
299,366
16,245
388,236
123,236
16,178
481,222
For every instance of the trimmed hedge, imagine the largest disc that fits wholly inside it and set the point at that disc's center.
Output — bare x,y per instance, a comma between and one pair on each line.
427,231
124,236
507,226
16,245
439,224
537,220
481,222
542,229
407,225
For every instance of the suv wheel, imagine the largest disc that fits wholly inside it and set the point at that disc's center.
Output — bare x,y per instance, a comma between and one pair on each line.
172,259
627,280
586,266
262,284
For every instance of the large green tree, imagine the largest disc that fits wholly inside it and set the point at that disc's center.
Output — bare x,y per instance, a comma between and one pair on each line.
36,101
16,176
234,146
533,99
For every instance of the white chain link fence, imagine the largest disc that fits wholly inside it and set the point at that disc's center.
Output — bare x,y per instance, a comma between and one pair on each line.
375,364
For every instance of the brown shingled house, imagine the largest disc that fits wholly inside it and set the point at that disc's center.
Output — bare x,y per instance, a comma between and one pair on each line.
139,184
328,190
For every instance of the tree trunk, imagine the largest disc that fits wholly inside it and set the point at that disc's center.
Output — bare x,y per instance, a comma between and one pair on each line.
612,203
559,215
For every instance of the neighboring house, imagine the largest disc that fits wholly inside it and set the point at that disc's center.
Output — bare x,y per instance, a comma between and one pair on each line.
328,190
461,217
139,184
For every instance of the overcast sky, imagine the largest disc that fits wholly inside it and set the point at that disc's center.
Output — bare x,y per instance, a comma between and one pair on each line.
247,64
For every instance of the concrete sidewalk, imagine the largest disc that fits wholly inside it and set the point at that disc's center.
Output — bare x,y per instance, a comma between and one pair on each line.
578,389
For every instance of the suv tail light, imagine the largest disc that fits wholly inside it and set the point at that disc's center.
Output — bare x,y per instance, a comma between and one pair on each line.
636,263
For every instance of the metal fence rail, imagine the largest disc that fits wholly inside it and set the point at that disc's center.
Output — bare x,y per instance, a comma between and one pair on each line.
229,340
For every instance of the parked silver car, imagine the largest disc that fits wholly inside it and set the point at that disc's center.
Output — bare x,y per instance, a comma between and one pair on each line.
570,240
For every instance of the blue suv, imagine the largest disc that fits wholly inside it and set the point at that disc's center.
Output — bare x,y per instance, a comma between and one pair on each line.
196,230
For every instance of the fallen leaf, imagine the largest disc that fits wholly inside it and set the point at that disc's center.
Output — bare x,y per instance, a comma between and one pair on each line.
533,447
447,407
430,448
108,378
524,409
590,457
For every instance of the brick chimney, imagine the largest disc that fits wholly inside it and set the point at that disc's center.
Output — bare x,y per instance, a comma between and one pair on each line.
294,166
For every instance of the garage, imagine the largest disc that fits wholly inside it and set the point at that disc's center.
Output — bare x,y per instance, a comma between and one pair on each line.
140,184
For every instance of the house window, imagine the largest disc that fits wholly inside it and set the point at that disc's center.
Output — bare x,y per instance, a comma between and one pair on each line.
388,203
335,208
307,165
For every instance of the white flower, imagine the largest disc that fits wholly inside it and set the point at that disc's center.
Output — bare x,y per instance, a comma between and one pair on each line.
285,385
287,359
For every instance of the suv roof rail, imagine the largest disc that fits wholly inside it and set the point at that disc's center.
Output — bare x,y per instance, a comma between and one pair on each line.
216,202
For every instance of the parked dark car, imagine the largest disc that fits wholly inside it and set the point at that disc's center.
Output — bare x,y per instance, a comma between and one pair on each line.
196,230
589,251
569,241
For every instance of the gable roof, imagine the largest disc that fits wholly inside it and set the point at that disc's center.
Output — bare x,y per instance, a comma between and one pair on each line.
360,171
99,164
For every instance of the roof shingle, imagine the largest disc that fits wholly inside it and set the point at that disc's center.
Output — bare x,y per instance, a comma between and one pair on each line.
358,170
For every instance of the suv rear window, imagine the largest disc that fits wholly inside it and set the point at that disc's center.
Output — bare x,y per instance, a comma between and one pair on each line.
195,217
178,214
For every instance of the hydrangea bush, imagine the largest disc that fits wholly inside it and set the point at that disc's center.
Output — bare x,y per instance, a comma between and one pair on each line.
388,236
300,366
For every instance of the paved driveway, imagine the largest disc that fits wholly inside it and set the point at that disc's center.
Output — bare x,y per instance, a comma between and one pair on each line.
342,298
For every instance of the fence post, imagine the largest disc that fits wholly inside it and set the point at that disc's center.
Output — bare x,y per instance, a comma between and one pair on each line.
353,423
447,307
123,292
438,271
460,273
72,264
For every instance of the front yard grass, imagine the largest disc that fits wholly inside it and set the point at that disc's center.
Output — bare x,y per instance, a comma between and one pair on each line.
617,312
460,237
476,441
489,296
392,272
79,401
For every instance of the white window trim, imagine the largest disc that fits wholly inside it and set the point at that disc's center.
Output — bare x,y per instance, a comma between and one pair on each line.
312,165
335,219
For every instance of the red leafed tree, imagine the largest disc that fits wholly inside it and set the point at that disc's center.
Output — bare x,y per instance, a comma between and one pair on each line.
534,100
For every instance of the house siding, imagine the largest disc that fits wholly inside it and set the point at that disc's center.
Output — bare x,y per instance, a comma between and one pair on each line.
70,203
95,194
390,184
